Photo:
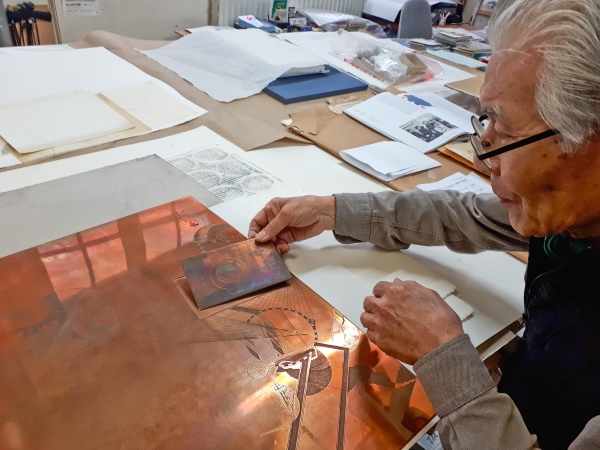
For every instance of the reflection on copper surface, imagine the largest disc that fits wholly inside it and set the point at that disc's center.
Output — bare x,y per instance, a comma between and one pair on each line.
232,271
94,358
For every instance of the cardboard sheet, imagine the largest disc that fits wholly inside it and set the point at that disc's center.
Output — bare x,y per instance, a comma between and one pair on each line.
337,132
58,120
234,64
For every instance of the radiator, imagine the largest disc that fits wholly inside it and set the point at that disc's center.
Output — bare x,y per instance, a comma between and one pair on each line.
226,12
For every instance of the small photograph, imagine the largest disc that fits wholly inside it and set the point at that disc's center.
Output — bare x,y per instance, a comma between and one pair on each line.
427,127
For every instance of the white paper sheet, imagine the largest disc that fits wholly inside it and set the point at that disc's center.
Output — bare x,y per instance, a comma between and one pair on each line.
388,160
461,183
7,159
38,74
424,128
234,64
151,104
460,307
48,122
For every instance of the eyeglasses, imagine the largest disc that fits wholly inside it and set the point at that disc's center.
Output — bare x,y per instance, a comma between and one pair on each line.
485,155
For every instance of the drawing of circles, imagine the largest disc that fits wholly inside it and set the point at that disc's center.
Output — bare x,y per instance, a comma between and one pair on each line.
257,183
184,164
211,155
258,369
206,179
228,271
227,192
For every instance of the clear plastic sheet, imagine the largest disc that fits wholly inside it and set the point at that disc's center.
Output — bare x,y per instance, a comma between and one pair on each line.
385,60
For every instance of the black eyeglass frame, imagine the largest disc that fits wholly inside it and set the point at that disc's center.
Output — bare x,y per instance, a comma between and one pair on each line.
482,155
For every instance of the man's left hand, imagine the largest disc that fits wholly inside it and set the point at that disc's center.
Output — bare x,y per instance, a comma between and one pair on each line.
407,320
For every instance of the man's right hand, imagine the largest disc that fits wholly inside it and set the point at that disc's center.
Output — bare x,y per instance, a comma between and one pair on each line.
288,220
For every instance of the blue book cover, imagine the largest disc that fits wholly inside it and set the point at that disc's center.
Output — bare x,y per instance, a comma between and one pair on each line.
310,87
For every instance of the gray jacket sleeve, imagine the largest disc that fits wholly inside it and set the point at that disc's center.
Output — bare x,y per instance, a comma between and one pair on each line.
473,415
465,223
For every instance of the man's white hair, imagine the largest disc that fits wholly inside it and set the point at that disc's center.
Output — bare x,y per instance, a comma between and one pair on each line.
566,33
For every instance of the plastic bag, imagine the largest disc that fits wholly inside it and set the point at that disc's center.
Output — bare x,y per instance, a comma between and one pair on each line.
334,21
384,59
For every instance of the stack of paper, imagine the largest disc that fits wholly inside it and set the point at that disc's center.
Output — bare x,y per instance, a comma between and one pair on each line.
459,182
427,44
453,36
473,47
388,160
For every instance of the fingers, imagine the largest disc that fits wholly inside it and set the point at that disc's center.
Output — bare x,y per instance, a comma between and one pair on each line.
380,288
258,223
368,320
275,226
282,246
370,304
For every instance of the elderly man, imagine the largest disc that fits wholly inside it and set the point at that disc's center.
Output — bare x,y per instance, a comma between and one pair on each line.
542,149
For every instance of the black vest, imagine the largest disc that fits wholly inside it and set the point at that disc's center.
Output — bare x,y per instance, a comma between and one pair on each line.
554,376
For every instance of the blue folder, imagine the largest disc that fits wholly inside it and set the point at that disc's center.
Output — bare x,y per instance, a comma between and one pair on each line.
309,87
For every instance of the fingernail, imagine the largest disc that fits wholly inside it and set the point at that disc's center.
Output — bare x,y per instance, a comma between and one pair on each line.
261,236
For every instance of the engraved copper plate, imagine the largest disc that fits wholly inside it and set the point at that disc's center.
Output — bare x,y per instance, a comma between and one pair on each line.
101,349
233,271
